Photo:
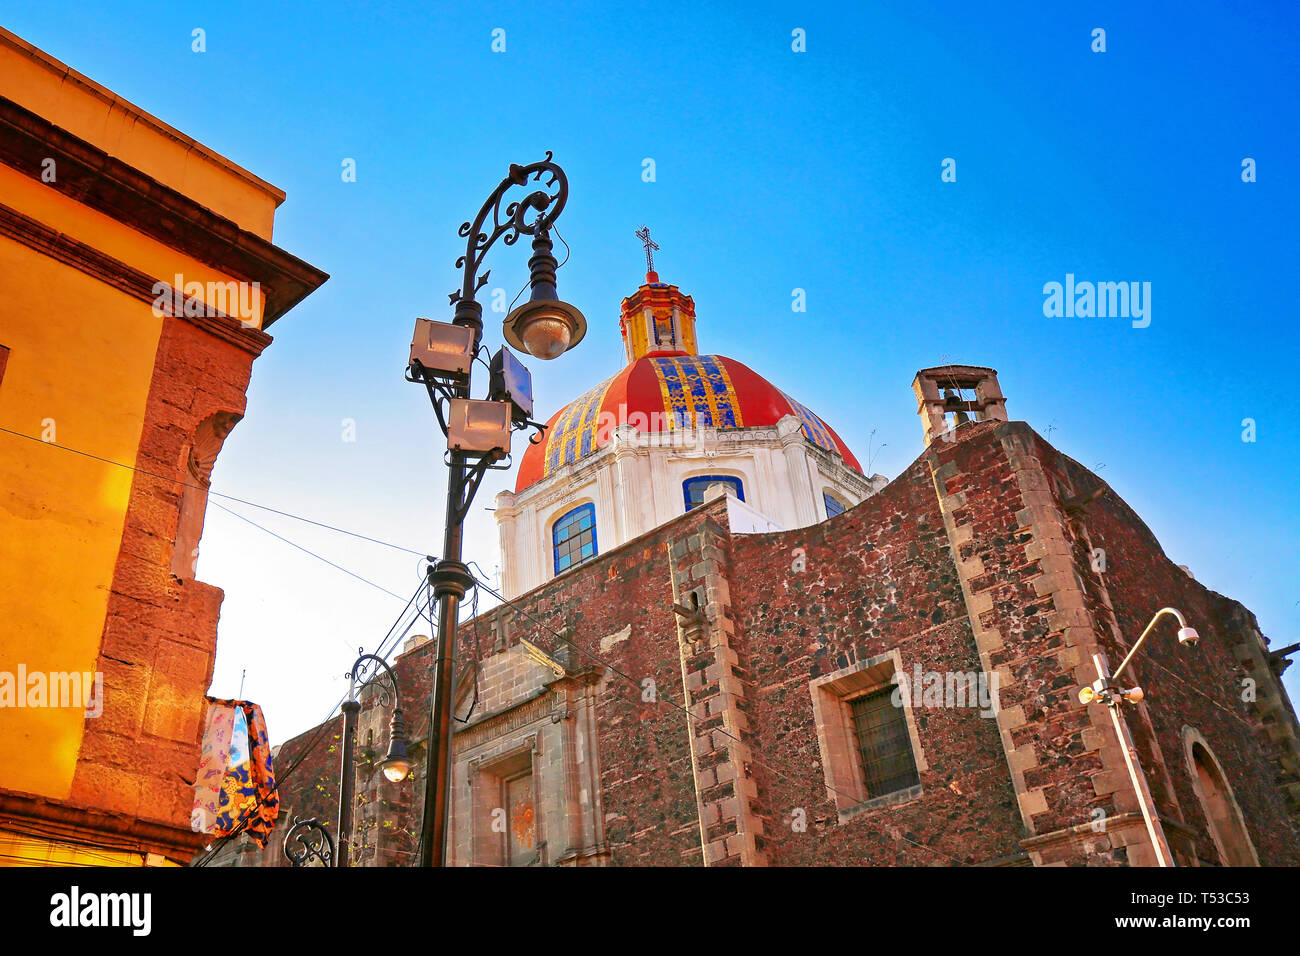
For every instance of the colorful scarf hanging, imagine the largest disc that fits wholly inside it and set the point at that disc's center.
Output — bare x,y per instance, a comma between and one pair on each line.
235,781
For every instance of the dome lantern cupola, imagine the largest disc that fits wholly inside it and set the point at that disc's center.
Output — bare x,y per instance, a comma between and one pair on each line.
657,319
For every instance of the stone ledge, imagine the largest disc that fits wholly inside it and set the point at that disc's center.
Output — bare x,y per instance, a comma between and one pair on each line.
897,798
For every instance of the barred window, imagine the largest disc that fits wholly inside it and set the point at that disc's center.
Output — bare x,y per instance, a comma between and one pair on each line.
833,505
574,537
884,746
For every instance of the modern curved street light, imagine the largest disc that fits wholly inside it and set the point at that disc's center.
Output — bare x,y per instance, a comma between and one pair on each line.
478,431
1107,690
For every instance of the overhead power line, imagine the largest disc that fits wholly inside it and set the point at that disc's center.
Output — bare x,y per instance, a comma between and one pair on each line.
478,583
213,494
382,650
292,544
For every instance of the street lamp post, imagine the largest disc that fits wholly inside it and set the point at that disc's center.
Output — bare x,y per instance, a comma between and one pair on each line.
308,843
478,432
351,707
1106,688
395,766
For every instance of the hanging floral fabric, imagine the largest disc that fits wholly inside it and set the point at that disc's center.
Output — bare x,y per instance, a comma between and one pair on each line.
235,788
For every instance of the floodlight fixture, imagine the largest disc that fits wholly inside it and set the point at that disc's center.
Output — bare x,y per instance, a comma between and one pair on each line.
512,382
442,349
479,427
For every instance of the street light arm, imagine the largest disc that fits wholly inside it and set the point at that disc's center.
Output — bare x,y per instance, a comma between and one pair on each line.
1182,623
473,478
355,674
439,393
510,222
1107,688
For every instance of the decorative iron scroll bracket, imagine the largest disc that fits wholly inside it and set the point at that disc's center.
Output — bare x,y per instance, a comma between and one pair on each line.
308,844
474,477
388,695
512,222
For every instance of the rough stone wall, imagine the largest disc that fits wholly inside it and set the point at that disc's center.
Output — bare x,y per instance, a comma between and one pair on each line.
643,738
977,559
139,759
1029,610
1204,687
616,608
877,578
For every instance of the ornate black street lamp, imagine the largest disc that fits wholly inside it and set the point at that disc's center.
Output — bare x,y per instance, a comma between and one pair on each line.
478,431
308,843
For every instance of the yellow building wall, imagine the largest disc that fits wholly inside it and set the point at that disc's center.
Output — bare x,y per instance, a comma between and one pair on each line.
81,359
106,234
36,81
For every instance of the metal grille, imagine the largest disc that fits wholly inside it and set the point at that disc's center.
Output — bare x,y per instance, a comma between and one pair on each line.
833,505
883,743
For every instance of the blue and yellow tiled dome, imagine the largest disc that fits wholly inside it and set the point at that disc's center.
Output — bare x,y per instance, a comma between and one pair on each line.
666,386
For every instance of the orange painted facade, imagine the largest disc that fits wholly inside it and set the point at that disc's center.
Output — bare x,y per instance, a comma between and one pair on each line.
114,403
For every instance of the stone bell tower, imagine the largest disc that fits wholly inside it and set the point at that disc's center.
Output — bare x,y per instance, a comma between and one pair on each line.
967,392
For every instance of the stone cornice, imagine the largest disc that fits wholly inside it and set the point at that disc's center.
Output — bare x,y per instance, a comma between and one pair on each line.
504,721
92,177
59,821
139,285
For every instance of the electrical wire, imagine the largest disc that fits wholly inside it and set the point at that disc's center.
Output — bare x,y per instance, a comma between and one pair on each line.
479,582
86,848
518,294
567,250
478,653
292,544
428,608
211,493
567,253
381,651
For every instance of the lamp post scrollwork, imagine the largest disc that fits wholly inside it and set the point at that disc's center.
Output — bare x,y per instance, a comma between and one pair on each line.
308,844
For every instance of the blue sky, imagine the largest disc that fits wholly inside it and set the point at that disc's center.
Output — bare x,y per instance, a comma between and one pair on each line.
775,170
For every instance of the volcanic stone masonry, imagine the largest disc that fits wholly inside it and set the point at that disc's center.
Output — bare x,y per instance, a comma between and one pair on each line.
715,734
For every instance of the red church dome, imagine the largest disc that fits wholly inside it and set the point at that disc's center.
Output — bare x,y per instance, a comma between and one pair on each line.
660,392
667,386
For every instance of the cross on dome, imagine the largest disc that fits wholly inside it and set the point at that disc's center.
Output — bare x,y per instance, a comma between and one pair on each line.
650,246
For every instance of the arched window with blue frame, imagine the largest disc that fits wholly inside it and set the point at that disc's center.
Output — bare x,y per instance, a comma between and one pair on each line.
833,505
574,537
693,488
